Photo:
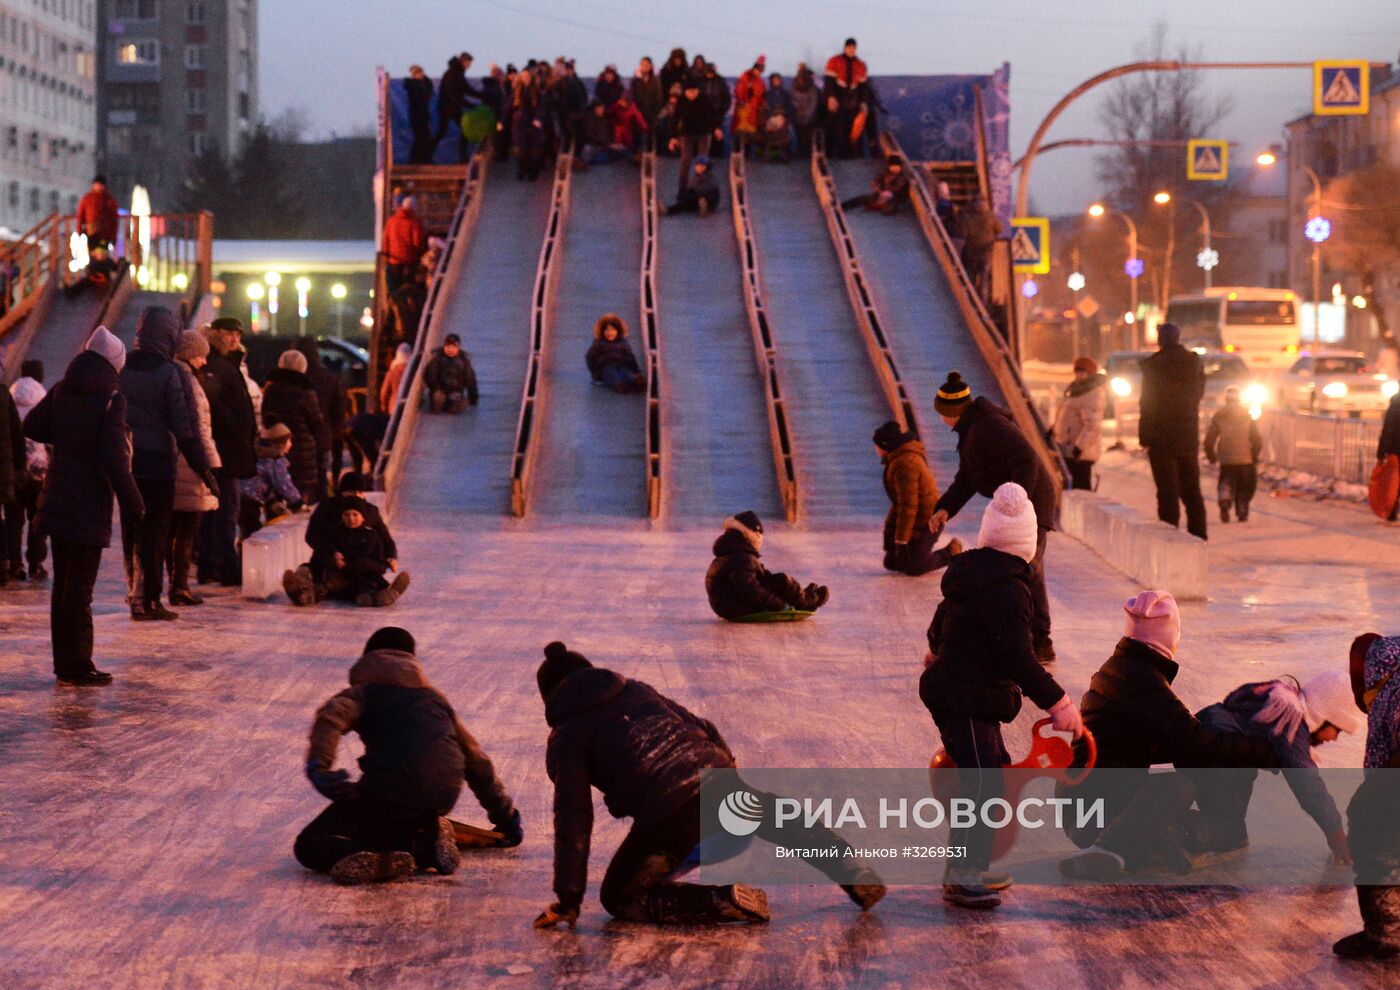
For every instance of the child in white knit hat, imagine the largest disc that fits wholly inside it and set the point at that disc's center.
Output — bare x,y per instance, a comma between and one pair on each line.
982,659
1294,718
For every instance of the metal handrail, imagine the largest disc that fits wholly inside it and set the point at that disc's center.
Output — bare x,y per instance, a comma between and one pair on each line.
995,353
403,422
765,353
872,330
651,337
534,396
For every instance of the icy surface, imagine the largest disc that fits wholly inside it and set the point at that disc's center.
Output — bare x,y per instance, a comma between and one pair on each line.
145,837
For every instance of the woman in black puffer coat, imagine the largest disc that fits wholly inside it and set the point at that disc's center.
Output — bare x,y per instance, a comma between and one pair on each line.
290,399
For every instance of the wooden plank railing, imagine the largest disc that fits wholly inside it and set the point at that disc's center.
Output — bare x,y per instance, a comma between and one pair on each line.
755,303
403,423
872,330
535,395
995,353
651,338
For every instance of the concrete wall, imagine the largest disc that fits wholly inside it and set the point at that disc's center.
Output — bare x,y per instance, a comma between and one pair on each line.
1149,551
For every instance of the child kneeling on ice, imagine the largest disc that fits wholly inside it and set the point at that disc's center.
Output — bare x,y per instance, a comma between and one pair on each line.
647,754
1375,807
348,562
982,659
417,754
739,586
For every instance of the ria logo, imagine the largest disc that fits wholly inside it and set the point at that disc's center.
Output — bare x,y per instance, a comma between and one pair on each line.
741,813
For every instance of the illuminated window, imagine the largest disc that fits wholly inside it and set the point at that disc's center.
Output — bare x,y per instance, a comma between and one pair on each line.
138,53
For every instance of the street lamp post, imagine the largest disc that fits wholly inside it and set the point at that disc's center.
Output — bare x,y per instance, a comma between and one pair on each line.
303,291
273,280
1269,158
1098,210
338,293
1205,262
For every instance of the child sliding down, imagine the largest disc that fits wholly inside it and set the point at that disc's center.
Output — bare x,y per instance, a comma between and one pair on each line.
348,562
739,586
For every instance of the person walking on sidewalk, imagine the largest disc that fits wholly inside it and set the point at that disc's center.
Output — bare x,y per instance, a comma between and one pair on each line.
83,419
1079,422
1233,439
1173,383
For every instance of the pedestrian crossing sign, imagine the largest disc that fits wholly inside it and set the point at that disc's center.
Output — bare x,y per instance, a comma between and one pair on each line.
1030,245
1207,160
1341,88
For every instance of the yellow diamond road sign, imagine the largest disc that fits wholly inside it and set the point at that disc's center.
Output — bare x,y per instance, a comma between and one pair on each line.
1341,88
1030,245
1207,160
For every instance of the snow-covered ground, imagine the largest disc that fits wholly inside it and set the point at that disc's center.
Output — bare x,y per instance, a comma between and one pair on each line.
146,828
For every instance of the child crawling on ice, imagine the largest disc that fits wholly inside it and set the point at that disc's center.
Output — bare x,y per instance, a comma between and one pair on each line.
417,755
740,587
348,562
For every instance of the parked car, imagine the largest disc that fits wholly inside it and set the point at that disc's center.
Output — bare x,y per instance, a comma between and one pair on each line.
1222,371
1335,382
349,360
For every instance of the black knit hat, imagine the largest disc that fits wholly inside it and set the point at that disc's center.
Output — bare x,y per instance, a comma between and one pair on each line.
849,41
452,338
746,521
349,502
351,483
559,663
391,638
232,323
890,436
953,396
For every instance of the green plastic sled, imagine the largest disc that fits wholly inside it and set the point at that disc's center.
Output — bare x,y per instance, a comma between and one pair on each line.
786,615
478,123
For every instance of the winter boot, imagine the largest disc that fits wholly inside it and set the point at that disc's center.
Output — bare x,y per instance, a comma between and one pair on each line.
153,612
866,891
1360,945
442,854
1094,863
1224,512
372,867
740,902
944,556
997,881
184,596
968,892
814,596
1045,651
300,586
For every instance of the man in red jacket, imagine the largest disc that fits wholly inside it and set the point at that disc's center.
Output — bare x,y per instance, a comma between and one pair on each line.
97,213
405,243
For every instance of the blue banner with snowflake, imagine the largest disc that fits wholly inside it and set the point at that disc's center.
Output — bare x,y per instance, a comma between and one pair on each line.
934,119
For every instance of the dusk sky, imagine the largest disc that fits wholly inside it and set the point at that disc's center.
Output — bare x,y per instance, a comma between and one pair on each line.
320,55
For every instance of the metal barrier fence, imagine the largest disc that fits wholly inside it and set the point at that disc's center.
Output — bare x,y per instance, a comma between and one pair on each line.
535,395
995,352
651,335
755,303
872,331
1325,446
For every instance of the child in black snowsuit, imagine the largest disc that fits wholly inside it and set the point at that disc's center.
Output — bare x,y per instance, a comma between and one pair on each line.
348,562
739,586
417,754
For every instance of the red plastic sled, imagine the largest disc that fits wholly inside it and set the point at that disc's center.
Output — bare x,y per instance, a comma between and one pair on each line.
1384,492
1052,755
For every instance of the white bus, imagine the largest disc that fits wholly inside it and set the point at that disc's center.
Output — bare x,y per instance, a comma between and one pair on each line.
1260,325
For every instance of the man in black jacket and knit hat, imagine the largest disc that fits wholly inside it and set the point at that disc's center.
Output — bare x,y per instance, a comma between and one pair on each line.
1173,382
417,754
646,753
739,587
235,426
992,450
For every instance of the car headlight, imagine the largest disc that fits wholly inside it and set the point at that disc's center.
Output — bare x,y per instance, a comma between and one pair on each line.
1335,390
1390,389
1121,387
1256,394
